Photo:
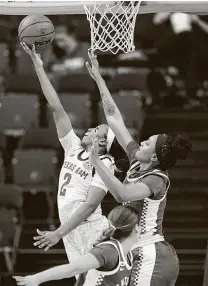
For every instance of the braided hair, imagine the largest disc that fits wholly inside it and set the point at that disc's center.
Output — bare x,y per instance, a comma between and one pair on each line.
170,149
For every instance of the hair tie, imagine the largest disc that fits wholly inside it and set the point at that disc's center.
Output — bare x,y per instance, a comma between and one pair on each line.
111,225
110,138
159,143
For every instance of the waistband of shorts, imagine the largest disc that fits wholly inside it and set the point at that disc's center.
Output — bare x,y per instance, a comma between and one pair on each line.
149,239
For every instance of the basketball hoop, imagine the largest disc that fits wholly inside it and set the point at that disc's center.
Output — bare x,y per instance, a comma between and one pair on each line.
112,25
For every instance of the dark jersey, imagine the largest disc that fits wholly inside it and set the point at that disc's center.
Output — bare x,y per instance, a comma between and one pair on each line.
115,268
152,208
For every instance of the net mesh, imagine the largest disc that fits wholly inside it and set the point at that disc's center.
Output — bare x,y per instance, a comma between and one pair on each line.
112,25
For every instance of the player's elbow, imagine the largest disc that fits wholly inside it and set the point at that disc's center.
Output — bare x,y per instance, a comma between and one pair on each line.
121,199
118,195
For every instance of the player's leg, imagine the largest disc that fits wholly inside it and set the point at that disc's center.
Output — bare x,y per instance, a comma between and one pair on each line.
166,268
155,265
143,266
81,240
72,251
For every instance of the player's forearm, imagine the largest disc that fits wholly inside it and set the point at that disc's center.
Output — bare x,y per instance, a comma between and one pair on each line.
110,108
48,89
115,187
56,273
82,213
202,25
113,115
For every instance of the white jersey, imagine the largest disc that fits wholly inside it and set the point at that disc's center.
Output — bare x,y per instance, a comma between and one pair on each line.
77,175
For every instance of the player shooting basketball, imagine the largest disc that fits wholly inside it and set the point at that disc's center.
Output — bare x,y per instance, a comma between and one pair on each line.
80,189
145,186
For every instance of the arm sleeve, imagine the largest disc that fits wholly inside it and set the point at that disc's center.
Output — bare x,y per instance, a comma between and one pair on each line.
156,184
96,180
131,151
106,255
70,142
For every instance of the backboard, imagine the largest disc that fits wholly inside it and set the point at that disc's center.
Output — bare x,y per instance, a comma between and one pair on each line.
76,7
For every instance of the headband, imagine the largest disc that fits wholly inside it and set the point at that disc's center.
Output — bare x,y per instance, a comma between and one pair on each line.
159,143
110,138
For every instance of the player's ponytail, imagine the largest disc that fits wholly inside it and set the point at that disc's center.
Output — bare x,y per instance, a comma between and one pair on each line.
122,221
106,235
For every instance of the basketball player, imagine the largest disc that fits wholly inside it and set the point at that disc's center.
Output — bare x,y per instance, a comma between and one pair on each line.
146,186
108,263
80,190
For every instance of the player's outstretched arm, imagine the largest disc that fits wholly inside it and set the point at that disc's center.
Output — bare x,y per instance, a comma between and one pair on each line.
121,192
61,118
112,113
47,239
82,265
95,196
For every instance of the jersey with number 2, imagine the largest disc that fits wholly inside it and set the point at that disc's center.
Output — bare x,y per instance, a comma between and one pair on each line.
77,175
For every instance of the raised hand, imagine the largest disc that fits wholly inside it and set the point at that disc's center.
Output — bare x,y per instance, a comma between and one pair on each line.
27,280
94,151
195,18
46,239
94,68
36,58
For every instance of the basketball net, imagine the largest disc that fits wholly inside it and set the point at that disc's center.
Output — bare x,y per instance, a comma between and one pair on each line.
112,25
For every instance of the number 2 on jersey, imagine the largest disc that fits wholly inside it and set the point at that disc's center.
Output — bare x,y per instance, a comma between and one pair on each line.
67,179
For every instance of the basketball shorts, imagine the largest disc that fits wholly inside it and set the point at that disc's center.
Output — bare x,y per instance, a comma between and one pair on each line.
80,241
155,265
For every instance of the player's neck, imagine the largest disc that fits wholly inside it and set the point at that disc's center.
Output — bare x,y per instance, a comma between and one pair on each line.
127,245
87,148
145,166
148,166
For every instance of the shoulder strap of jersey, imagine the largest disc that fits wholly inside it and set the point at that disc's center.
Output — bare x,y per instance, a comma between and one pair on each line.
160,174
134,164
130,256
157,172
109,242
123,259
114,243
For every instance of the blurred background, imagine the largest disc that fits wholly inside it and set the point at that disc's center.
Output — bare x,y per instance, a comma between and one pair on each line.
161,87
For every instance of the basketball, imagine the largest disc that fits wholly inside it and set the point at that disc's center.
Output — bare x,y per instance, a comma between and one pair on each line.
37,30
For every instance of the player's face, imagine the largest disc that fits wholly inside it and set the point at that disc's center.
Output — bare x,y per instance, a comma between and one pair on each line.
146,150
100,132
138,231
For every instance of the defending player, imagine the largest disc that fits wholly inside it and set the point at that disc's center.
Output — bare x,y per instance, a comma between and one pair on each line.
80,190
146,186
108,263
